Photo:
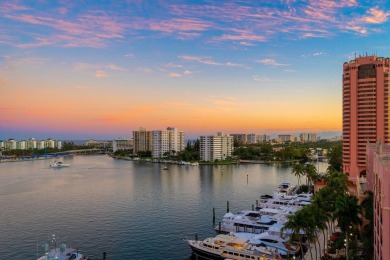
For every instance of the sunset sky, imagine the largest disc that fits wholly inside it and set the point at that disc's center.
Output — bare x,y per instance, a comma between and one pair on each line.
101,69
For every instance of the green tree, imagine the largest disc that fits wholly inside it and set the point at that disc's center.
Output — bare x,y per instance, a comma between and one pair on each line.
368,230
348,215
335,159
298,171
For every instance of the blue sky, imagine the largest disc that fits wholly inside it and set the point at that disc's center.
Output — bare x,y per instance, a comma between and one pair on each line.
85,69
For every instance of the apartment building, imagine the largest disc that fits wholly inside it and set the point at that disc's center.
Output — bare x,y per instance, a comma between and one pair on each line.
378,181
142,140
365,109
217,147
170,140
122,143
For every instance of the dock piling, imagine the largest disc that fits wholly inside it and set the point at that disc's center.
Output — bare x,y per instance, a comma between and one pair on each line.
213,215
219,228
227,207
104,256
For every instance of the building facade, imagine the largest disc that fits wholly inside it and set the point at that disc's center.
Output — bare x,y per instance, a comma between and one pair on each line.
308,137
122,143
167,141
240,138
12,144
286,138
365,109
378,181
217,147
142,141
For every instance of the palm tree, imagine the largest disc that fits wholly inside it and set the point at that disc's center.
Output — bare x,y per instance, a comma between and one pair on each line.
297,170
348,215
295,224
311,173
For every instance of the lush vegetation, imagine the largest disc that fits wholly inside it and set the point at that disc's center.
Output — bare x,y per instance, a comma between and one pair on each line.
288,151
332,204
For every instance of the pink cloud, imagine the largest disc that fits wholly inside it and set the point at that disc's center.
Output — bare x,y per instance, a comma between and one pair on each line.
376,16
271,62
174,75
208,61
100,74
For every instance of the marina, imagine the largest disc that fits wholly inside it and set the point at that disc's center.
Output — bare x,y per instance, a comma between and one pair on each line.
129,209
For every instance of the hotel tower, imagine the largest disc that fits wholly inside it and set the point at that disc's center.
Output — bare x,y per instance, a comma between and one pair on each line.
365,109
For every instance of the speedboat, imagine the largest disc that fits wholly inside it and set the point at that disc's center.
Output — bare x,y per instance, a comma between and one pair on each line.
59,165
230,247
54,250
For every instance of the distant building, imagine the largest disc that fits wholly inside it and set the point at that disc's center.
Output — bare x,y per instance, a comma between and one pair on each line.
308,137
251,138
99,144
170,140
263,138
122,143
286,138
12,144
142,140
217,147
378,181
366,111
240,138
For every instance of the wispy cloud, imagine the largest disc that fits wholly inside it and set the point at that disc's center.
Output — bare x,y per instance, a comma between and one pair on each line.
101,74
144,70
376,16
208,61
271,62
174,75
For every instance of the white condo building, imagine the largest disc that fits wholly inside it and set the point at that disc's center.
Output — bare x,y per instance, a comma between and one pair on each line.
217,147
12,144
170,140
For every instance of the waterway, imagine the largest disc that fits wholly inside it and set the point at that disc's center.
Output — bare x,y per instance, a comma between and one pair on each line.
129,209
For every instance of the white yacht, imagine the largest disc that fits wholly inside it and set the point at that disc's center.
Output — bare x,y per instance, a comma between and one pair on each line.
230,247
273,238
54,250
285,188
59,164
251,221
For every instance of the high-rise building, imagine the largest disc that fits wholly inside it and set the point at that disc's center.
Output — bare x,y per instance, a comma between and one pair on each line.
286,138
378,181
308,137
217,147
263,138
365,109
142,141
170,140
252,138
240,138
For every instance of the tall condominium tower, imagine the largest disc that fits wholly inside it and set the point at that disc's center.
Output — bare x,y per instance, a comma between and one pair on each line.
365,109
217,147
142,141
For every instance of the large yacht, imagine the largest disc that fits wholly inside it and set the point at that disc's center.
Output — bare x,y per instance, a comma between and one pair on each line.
231,247
252,221
273,238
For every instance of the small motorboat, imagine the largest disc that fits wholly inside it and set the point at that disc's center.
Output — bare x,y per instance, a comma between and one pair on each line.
165,167
59,165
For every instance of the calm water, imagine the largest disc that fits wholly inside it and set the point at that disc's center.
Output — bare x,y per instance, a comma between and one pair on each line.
131,210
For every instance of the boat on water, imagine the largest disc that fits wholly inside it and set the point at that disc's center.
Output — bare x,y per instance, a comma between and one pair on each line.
285,188
231,247
54,250
255,222
165,168
58,164
194,164
273,238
